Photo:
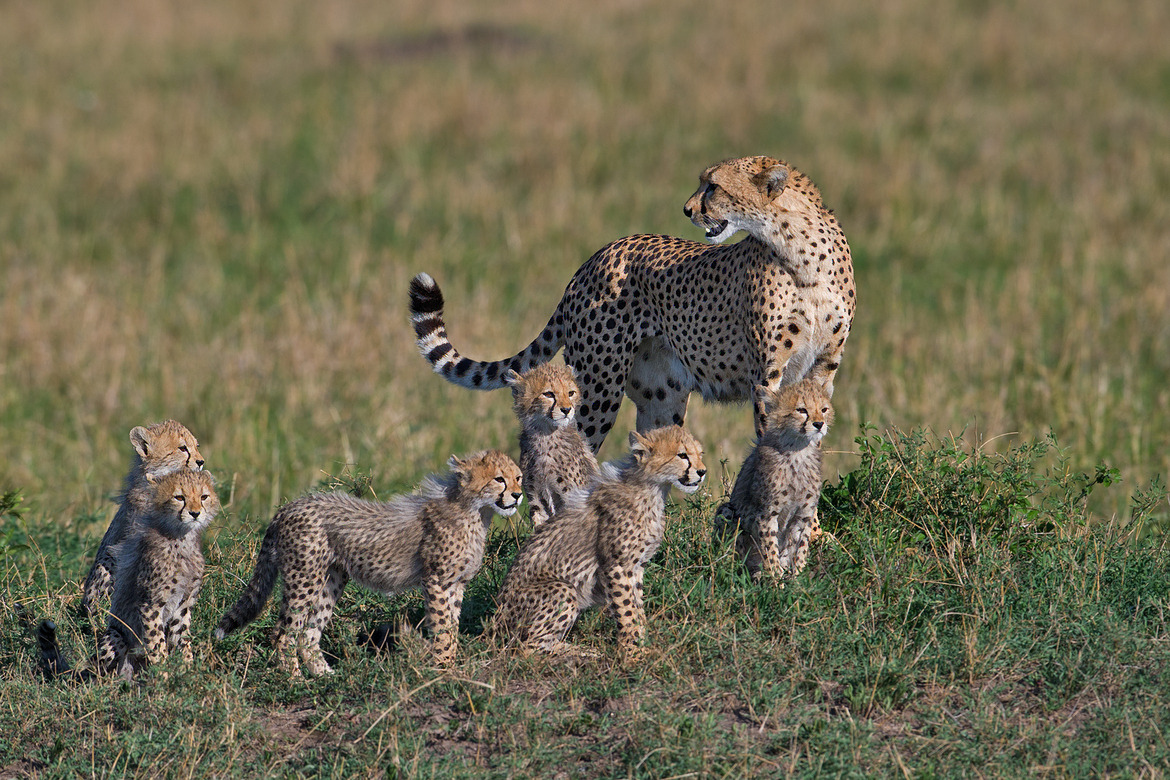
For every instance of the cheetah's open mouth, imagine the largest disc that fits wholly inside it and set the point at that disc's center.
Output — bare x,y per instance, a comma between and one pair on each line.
689,487
717,228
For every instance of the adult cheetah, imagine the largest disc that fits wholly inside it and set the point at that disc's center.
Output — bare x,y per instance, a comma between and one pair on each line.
657,317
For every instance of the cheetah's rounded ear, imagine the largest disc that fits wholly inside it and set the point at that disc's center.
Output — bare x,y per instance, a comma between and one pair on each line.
151,478
771,182
455,464
510,377
639,445
140,439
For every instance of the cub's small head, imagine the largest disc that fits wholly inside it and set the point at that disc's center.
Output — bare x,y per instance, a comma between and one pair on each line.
669,455
489,478
801,410
164,447
546,396
184,501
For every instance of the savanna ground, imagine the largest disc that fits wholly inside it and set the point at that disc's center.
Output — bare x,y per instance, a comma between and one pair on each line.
210,211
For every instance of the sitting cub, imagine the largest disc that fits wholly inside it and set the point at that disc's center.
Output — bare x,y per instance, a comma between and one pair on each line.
593,552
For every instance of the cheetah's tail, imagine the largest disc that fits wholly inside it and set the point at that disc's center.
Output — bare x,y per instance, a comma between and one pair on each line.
426,314
255,595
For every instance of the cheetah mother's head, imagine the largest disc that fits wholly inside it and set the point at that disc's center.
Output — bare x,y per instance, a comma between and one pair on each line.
736,195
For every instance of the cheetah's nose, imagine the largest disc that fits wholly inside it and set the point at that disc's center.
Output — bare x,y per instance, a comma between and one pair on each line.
199,463
687,210
701,472
194,515
565,410
819,424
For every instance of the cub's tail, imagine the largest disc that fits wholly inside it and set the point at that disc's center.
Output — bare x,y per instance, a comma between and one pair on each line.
53,664
426,314
255,595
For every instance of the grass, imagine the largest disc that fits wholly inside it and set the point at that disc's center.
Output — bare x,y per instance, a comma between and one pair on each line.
210,212
1021,639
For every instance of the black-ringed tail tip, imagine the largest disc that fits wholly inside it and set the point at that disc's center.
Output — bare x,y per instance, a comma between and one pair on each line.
426,315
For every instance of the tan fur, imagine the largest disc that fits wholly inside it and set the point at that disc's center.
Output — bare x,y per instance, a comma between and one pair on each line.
433,538
158,450
160,572
774,501
554,457
594,551
657,317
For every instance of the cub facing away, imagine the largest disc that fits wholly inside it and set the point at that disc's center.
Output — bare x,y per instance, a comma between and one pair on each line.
159,449
433,538
594,551
554,456
160,573
775,495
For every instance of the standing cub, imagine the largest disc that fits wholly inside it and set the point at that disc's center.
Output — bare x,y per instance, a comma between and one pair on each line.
158,449
593,552
775,496
160,573
554,456
433,538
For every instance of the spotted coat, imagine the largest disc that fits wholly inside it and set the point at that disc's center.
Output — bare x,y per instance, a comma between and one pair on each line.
554,457
158,450
595,550
160,573
773,506
656,318
433,538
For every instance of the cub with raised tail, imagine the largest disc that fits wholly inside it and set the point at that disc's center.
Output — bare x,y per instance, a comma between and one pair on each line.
594,551
775,496
554,456
433,538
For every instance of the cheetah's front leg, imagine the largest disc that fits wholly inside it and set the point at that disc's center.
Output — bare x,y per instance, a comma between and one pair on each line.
180,624
625,601
444,602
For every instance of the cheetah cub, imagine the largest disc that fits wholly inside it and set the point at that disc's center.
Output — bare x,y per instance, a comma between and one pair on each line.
160,573
433,538
775,496
592,553
554,457
158,450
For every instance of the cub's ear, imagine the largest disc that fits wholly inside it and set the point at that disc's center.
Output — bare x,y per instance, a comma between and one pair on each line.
141,440
572,371
639,446
457,465
151,478
771,182
510,378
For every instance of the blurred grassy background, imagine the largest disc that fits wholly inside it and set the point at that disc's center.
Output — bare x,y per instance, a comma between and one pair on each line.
210,211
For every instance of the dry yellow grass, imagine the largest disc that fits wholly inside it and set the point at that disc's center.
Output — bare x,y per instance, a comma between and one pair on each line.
211,211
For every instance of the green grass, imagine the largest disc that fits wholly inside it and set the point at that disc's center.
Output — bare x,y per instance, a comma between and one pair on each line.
210,212
965,611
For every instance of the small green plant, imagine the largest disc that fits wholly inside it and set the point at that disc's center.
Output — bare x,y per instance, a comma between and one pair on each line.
11,519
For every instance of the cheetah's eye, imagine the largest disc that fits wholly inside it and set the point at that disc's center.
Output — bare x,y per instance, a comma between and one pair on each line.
685,457
204,497
183,448
180,498
501,480
549,394
803,411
